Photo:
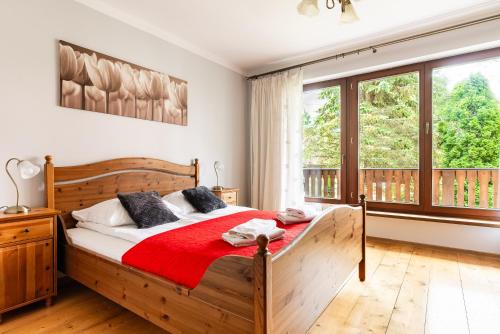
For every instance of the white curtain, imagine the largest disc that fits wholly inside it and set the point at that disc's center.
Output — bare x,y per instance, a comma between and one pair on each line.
276,141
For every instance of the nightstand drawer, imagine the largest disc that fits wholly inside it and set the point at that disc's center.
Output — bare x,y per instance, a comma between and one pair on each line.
25,230
230,198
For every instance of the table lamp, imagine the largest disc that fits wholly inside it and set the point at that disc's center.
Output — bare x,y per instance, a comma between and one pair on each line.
219,168
27,170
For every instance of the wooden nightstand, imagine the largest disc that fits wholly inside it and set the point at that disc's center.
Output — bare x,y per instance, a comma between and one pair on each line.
228,195
28,258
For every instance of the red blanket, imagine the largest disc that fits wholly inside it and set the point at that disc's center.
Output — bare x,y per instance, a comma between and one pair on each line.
184,254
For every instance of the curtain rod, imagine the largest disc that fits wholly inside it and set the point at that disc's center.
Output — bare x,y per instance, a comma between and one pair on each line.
373,48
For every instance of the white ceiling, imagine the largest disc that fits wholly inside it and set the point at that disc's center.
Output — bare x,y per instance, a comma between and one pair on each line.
248,35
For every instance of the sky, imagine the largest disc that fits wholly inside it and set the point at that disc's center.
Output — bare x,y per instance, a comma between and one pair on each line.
489,68
312,102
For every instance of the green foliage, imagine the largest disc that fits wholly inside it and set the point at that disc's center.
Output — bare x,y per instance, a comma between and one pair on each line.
466,122
440,96
322,131
468,126
388,118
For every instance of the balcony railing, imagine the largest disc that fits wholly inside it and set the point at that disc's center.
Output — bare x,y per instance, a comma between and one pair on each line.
403,185
468,187
322,182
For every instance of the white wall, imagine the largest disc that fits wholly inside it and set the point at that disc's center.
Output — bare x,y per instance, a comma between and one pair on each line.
32,125
481,239
483,36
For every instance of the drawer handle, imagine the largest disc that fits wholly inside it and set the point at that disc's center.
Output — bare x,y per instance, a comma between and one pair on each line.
26,230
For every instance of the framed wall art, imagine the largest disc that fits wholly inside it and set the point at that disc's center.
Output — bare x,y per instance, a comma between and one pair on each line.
96,82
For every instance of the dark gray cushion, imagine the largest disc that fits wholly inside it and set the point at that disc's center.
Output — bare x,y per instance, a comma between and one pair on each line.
147,209
203,199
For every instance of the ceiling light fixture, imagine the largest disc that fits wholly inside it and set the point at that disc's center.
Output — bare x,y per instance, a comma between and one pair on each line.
348,13
310,8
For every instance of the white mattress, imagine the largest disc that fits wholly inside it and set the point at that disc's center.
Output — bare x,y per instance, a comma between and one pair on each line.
113,242
99,243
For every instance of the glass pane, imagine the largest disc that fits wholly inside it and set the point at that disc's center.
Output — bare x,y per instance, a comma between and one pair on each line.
466,135
388,138
322,149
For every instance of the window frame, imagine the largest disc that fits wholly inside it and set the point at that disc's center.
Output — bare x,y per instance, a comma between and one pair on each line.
429,67
354,137
343,135
350,137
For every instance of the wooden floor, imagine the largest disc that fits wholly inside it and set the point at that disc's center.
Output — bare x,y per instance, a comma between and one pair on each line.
409,289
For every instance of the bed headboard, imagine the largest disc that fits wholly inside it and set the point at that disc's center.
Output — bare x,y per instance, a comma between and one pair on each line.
78,187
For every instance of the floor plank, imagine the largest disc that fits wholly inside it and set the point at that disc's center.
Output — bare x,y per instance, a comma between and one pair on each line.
409,289
481,289
446,311
411,306
372,312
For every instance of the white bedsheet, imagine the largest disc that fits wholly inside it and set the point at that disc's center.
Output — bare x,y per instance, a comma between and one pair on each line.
96,242
113,242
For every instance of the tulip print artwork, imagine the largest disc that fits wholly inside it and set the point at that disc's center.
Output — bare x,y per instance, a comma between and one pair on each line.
95,82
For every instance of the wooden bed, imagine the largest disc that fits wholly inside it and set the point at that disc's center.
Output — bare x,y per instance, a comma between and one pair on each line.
269,293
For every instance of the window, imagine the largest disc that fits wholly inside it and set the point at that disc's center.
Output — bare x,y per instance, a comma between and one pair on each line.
466,135
421,138
323,148
388,110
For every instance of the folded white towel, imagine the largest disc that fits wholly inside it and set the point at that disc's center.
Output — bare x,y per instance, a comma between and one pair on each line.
253,228
302,212
238,241
287,219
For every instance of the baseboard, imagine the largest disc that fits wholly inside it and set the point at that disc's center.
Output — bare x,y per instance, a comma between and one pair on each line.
402,242
493,223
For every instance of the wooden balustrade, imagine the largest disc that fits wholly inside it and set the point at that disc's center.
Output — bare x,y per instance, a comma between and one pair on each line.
389,185
467,187
472,188
322,182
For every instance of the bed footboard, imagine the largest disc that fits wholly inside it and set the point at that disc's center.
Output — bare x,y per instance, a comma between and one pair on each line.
297,283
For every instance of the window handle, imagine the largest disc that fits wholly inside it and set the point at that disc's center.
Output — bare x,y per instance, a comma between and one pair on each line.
427,127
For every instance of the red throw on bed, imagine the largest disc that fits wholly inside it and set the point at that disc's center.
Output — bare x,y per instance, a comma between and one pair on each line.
184,254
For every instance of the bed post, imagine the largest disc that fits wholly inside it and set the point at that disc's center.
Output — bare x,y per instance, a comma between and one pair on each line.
49,182
362,264
196,172
262,287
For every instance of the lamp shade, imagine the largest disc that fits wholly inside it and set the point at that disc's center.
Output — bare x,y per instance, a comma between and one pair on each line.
348,13
218,166
27,170
308,8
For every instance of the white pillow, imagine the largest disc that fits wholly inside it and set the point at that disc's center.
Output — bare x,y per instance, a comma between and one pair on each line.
109,213
178,200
